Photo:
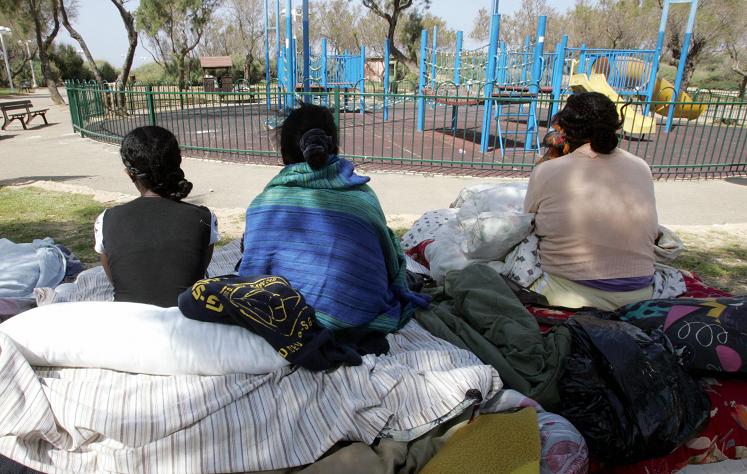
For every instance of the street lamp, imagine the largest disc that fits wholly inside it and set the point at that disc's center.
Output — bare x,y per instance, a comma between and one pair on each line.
4,30
31,61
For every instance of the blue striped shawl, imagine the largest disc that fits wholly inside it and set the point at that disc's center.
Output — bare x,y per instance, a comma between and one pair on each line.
325,232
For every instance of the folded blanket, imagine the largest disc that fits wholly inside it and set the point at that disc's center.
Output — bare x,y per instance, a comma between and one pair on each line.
324,231
24,267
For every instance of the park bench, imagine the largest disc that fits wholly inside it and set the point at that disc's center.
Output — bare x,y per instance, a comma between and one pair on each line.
25,116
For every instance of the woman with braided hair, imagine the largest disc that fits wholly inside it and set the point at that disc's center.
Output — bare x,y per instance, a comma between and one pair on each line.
595,212
155,246
320,226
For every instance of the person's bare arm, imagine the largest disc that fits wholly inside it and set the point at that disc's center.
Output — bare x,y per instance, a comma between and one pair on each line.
105,264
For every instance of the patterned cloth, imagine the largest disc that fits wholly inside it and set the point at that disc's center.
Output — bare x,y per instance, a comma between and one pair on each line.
270,307
324,231
95,420
426,226
709,334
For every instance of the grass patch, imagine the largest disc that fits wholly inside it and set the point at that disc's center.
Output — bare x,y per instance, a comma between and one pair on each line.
719,260
32,213
5,91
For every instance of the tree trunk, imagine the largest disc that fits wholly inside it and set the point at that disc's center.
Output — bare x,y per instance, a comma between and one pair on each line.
77,37
129,23
43,46
743,87
687,74
411,62
180,70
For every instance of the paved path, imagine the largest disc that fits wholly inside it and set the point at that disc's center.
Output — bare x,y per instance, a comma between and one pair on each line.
54,153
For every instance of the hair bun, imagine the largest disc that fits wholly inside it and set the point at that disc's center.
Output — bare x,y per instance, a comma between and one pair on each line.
183,188
603,139
316,147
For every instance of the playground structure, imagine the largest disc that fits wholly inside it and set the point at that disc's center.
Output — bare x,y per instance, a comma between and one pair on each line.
481,110
504,80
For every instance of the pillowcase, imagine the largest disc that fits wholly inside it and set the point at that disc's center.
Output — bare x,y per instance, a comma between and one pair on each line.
137,338
708,334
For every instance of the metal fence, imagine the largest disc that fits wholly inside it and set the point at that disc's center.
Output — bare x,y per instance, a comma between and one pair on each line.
382,130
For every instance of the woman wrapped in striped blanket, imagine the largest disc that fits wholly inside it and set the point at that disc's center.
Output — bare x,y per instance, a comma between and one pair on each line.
321,227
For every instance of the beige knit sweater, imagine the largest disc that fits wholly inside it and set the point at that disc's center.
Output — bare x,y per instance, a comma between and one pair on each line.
595,215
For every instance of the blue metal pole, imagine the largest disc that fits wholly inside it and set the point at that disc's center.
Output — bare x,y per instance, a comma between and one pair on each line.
290,52
495,6
362,80
557,74
582,60
458,57
535,80
306,52
489,80
278,47
267,56
657,57
683,60
421,80
386,79
434,57
324,67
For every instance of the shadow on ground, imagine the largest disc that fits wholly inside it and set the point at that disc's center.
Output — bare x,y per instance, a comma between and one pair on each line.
23,180
739,181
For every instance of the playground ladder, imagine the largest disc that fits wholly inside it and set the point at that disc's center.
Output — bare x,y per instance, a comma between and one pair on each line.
514,111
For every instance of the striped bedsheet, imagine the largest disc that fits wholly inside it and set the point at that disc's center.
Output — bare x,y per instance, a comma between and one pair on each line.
93,420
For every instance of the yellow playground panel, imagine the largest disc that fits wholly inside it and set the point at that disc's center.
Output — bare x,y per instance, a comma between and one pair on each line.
634,122
663,89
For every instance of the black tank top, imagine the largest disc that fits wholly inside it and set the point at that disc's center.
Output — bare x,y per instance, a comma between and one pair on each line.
156,248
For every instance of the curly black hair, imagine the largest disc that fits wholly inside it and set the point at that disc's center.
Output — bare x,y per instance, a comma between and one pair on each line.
152,157
590,117
302,120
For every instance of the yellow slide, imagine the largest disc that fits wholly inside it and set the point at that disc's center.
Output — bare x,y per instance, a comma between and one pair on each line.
634,123
633,69
663,91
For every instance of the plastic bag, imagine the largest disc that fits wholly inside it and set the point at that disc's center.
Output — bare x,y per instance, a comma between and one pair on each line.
626,392
492,197
491,235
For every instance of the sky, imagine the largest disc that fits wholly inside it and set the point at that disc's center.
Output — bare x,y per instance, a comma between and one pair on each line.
101,27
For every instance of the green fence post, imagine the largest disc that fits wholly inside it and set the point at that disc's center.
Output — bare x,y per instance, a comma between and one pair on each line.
149,102
337,109
73,104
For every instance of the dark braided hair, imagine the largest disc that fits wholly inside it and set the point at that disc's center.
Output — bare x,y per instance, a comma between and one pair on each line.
152,157
590,117
309,135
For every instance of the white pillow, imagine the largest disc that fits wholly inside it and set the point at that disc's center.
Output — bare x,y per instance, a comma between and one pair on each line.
138,338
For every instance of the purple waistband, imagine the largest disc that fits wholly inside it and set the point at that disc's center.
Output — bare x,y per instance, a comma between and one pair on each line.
619,284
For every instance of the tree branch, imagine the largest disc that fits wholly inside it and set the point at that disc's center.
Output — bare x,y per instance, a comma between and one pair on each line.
77,37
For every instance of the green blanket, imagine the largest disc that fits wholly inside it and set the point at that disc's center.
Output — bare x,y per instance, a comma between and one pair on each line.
477,311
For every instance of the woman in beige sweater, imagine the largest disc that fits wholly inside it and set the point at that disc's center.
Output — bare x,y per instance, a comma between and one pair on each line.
595,213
